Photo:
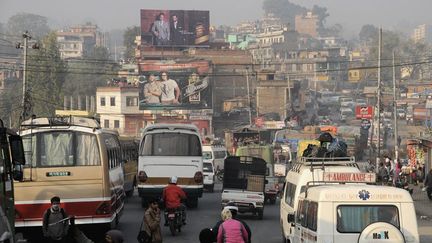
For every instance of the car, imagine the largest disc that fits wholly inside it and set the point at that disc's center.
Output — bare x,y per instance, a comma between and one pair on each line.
209,176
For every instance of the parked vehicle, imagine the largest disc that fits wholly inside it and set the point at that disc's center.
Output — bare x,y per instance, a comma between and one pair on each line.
244,184
346,114
401,114
215,154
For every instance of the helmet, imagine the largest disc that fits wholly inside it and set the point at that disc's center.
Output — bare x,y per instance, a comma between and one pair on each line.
231,206
173,180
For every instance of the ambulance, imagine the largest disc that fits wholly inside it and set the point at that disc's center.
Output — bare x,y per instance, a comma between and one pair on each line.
346,212
309,169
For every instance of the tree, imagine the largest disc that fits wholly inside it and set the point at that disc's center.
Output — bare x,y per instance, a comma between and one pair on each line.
322,14
129,42
283,9
46,75
88,73
37,25
368,33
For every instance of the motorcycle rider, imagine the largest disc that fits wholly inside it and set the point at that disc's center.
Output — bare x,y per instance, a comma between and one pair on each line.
172,196
234,210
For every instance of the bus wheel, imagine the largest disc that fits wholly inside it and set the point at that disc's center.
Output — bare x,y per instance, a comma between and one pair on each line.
192,203
261,214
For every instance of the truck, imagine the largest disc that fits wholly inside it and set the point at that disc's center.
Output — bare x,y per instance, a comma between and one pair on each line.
12,160
265,152
244,184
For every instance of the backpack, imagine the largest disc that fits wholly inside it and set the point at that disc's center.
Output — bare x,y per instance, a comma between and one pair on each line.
48,213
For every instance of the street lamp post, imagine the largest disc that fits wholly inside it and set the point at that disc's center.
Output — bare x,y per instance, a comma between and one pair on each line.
248,95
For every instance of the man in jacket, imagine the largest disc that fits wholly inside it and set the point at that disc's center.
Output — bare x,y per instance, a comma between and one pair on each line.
428,183
55,224
151,223
172,196
160,30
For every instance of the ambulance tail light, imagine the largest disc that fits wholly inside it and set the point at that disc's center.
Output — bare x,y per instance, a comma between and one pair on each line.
142,176
198,177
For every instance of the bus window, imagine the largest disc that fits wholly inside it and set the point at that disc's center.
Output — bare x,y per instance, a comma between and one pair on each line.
289,193
87,151
56,149
312,213
165,144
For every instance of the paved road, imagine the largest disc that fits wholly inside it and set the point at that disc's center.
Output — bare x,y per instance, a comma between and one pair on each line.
206,215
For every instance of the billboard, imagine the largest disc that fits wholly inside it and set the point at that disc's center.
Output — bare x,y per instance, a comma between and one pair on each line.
175,27
364,112
175,85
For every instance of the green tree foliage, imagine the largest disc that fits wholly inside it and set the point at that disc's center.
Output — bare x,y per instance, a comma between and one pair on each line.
129,42
322,14
46,75
37,25
283,9
368,33
89,72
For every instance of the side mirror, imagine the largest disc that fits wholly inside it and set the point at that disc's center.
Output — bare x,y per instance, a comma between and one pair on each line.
266,181
17,149
18,173
290,218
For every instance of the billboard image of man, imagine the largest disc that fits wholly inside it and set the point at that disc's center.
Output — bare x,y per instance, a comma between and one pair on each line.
153,91
176,29
170,90
160,30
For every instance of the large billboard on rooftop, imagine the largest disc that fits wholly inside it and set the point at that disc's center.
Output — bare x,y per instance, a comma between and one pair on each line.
175,28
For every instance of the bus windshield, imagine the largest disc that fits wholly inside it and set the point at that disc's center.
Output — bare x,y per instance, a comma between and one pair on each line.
171,144
62,148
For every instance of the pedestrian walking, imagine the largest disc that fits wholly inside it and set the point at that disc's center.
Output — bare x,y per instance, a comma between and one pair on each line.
428,184
151,223
55,223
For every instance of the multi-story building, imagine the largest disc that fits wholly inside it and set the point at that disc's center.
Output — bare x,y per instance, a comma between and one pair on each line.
307,24
423,33
80,40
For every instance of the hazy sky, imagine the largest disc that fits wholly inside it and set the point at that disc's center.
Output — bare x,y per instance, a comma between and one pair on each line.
114,14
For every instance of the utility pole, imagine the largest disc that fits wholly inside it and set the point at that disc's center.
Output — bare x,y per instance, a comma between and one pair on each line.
288,105
26,108
395,111
379,96
248,95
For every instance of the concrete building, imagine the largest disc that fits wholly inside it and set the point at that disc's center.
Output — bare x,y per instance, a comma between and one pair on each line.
423,33
80,40
307,24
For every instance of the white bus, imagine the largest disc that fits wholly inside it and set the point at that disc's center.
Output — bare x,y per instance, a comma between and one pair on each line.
168,150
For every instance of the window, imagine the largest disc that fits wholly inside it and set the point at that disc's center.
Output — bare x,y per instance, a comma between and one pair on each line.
106,123
113,150
207,167
171,144
102,101
131,101
354,218
112,101
312,214
116,123
62,148
219,154
290,193
207,155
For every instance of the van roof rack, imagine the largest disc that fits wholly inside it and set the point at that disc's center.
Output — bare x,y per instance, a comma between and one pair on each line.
171,127
60,121
316,162
310,184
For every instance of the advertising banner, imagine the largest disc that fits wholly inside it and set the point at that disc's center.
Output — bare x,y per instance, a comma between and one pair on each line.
364,112
175,27
174,85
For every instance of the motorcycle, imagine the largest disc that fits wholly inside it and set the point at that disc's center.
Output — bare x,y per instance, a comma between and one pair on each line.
174,219
220,174
402,182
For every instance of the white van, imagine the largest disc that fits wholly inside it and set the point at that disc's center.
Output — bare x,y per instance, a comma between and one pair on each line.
209,176
306,170
215,154
168,150
341,213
